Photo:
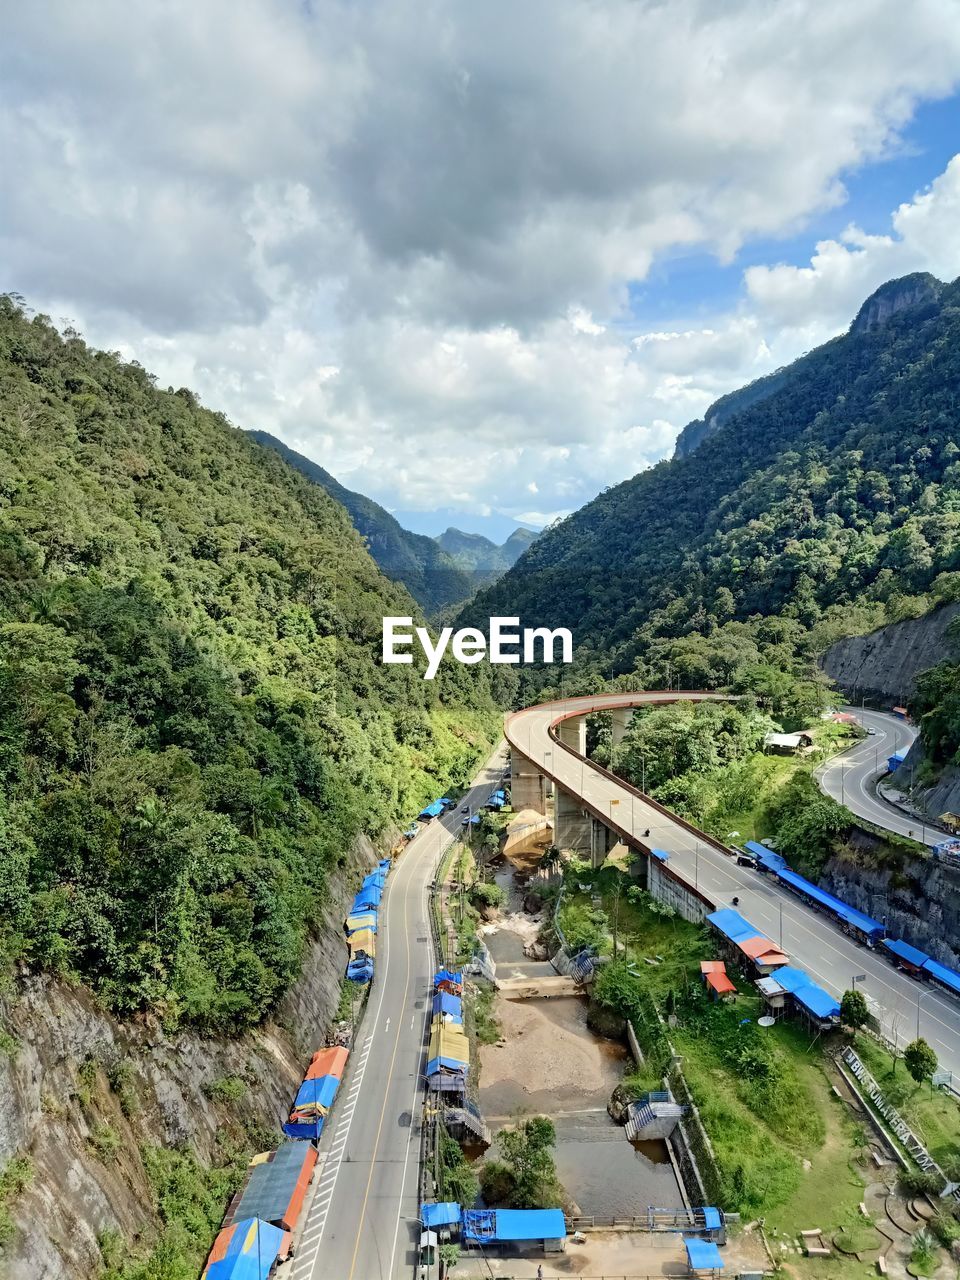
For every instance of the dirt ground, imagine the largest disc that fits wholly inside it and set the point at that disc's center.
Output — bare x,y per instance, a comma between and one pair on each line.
547,1057
612,1255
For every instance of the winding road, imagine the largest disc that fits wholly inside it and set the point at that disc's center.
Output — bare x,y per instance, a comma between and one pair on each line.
811,939
363,1221
851,777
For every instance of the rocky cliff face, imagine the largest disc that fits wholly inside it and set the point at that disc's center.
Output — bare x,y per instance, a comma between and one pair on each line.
918,897
81,1094
894,296
883,665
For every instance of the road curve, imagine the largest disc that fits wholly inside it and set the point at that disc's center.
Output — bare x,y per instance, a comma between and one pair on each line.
851,776
363,1221
811,939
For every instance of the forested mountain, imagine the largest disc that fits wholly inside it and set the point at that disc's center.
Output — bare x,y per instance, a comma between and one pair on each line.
194,722
474,552
431,577
825,501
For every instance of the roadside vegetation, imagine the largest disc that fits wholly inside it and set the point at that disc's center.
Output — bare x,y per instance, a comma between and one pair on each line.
786,1147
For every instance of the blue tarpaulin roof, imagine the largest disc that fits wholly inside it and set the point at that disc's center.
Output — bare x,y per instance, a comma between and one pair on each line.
375,877
949,977
817,1001
253,1248
448,975
514,1224
439,1215
806,992
443,1002
766,857
711,1218
791,978
732,925
660,854
864,923
320,1092
432,810
702,1255
309,1131
904,951
384,864
369,896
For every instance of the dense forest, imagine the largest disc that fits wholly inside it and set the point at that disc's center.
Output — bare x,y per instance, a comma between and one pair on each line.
420,563
194,723
822,502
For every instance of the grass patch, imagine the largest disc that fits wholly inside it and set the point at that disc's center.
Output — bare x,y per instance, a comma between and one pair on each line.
484,1019
933,1115
14,1177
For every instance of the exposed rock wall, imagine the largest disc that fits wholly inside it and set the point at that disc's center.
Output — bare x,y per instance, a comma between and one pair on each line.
918,897
883,665
53,1107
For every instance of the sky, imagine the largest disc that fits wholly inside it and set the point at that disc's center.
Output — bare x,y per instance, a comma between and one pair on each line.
479,261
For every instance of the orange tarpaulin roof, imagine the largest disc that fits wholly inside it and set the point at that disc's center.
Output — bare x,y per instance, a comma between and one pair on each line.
762,949
720,983
327,1062
712,966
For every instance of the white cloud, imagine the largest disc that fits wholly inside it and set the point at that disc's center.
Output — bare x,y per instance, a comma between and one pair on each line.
824,296
402,236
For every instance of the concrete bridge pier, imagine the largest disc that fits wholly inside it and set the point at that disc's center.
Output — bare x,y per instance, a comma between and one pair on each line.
527,784
573,733
571,825
621,717
602,840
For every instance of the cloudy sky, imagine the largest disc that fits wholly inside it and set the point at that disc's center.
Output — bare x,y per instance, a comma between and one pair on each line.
478,260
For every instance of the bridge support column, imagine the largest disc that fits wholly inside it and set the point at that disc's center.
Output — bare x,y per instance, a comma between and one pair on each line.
571,825
573,733
602,840
527,789
621,717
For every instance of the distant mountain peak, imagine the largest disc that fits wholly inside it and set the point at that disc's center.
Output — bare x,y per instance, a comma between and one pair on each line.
894,296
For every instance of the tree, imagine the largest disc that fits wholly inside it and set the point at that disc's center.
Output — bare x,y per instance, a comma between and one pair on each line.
853,1009
527,1153
921,1061
449,1256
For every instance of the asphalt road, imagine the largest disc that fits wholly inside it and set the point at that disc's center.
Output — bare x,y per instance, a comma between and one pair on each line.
851,777
363,1220
812,941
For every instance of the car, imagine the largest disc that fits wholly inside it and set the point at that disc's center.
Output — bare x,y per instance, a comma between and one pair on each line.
745,859
871,731
464,808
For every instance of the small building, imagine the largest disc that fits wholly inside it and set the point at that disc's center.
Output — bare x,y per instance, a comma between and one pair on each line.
440,1216
895,761
276,1186
765,955
545,1227
844,717
703,1257
716,979
910,959
901,713
767,859
801,995
787,744
247,1250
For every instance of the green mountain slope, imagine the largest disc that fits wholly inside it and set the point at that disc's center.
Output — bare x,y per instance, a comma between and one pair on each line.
194,721
430,576
832,499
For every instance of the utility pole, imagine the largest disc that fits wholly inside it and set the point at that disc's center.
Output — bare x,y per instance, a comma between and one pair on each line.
780,905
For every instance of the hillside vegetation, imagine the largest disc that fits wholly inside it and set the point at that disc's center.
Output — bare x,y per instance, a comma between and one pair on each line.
823,502
194,723
429,574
